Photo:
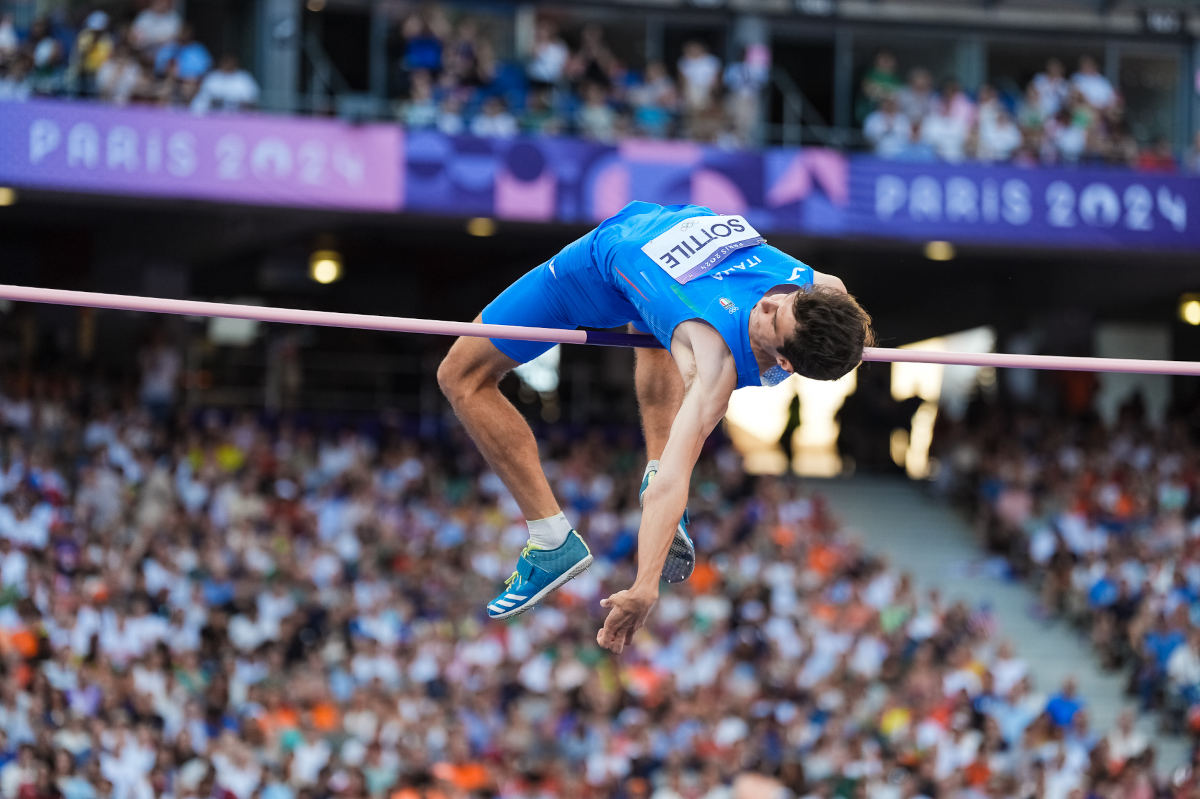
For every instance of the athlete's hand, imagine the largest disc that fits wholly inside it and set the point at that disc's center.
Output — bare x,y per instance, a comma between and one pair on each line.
627,612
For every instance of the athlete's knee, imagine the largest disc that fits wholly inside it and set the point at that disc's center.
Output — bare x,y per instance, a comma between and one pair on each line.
451,376
463,372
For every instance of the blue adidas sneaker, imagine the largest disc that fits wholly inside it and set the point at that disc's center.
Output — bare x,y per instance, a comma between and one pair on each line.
540,571
681,558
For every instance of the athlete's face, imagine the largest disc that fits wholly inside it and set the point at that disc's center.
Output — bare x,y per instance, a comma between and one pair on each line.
775,322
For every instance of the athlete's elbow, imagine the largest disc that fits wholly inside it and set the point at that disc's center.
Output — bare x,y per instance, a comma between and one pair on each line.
666,487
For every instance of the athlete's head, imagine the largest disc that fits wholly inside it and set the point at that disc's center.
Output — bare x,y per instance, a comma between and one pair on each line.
819,331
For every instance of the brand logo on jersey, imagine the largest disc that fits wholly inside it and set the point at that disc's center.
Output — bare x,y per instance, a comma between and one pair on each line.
749,263
728,305
694,246
552,268
797,273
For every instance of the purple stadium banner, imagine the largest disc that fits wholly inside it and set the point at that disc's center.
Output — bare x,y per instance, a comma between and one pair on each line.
583,182
247,158
811,191
1073,207
260,159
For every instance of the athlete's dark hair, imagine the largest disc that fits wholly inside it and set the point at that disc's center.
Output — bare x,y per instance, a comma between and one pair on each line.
831,331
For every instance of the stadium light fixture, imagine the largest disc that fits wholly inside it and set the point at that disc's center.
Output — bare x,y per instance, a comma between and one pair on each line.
481,226
939,251
7,196
325,266
1189,309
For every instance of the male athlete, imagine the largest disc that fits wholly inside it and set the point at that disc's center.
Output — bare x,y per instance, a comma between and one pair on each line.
731,310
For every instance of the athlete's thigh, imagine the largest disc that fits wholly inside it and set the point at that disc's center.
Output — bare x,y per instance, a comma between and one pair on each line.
564,293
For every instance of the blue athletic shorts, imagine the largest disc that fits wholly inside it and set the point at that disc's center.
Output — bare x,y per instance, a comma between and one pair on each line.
570,290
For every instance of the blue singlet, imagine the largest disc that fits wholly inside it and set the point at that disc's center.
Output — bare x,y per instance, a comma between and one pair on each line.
629,269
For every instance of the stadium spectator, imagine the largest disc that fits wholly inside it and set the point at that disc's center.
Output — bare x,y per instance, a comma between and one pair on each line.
468,61
424,35
450,115
157,25
1052,88
93,47
998,138
1068,134
228,88
596,118
1095,88
120,77
888,129
881,80
420,110
494,121
916,97
547,61
15,81
655,102
953,101
48,75
192,59
9,41
541,117
594,62
699,77
945,131
744,82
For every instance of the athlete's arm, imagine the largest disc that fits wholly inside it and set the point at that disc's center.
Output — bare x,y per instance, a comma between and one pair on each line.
832,281
709,377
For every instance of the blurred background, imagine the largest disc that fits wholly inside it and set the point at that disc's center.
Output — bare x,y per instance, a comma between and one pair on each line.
242,560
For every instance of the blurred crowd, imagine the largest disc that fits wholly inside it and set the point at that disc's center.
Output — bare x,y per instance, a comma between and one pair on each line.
450,76
213,605
1106,519
1060,119
148,57
452,80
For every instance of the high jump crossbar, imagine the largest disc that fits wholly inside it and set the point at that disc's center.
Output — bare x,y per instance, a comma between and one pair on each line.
397,324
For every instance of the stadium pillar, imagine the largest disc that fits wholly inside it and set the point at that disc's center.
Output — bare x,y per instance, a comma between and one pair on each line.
1191,89
843,78
279,52
378,52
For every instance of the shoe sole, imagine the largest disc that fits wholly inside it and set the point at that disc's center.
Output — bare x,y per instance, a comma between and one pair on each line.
576,570
681,559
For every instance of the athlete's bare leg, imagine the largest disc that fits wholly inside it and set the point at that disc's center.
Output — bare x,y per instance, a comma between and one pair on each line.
659,393
469,377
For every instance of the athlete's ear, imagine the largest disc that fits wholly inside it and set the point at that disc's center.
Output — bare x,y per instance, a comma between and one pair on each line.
784,363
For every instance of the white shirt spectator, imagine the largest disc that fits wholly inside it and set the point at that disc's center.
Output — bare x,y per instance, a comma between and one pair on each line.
155,26
1069,140
699,70
228,88
888,131
549,57
1183,667
1052,91
946,134
999,138
160,365
494,122
8,36
1095,88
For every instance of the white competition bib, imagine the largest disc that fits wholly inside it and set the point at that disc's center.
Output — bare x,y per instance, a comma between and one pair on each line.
696,245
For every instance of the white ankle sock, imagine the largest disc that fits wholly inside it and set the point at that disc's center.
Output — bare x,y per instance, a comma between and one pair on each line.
549,533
